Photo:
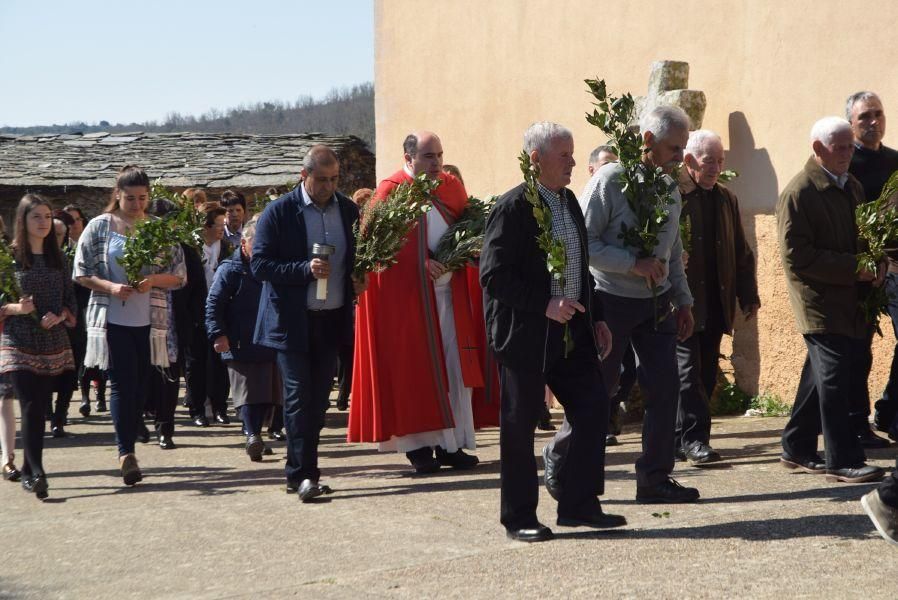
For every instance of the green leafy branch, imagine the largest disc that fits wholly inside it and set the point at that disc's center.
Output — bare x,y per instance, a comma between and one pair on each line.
649,192
463,240
384,225
877,224
556,253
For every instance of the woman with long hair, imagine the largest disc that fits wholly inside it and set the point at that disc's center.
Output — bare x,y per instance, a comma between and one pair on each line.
34,352
127,326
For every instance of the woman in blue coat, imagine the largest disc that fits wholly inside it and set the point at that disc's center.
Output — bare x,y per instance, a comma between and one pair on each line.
230,321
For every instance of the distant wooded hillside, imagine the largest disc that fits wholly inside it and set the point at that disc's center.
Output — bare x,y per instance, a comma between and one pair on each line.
346,111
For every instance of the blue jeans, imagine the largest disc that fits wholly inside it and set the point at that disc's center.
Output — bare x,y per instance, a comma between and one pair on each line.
307,379
129,371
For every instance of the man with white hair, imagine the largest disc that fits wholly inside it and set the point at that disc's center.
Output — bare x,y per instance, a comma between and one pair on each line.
721,270
526,313
872,164
646,302
819,247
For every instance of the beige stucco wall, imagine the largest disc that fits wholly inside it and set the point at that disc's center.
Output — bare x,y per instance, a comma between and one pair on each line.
478,73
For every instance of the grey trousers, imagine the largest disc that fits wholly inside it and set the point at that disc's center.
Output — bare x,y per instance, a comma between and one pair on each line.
654,339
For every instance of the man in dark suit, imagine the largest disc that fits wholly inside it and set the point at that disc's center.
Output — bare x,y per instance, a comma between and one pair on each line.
306,331
526,313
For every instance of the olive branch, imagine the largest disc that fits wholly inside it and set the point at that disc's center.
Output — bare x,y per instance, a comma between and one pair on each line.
649,192
556,253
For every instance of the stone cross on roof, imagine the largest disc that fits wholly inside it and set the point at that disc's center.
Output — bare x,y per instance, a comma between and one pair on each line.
668,86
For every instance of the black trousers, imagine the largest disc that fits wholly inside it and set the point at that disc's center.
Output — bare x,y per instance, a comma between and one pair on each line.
821,403
164,387
576,381
627,378
888,489
698,361
344,370
34,392
195,371
253,416
859,397
218,384
887,406
307,378
654,339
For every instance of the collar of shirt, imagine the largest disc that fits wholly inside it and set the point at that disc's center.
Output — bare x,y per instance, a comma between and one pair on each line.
228,232
408,171
548,194
307,200
840,180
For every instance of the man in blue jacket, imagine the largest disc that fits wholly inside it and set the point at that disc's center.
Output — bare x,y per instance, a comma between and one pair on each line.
305,331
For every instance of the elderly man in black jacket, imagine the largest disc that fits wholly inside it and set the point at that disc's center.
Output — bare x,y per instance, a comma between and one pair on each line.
526,311
721,270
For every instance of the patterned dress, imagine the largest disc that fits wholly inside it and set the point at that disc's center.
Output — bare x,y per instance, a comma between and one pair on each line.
25,345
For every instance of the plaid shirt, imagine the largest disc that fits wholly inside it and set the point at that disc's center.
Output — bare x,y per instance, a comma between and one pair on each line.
565,229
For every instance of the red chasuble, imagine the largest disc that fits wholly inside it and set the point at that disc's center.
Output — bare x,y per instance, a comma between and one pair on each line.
399,383
485,400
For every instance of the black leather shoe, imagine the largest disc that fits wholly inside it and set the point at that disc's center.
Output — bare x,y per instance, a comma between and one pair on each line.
37,484
57,430
550,475
101,405
813,465
342,404
200,421
277,434
679,454
84,409
292,487
423,461
11,473
143,434
597,519
868,439
222,418
611,440
266,451
457,460
701,454
881,421
165,442
540,533
860,474
545,420
309,490
254,447
666,492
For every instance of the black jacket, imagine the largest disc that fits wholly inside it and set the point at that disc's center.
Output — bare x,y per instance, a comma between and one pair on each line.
189,302
516,287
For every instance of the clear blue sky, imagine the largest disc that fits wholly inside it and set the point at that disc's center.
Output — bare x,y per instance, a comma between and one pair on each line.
130,60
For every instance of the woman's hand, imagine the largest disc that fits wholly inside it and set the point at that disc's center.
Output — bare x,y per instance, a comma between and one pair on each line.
121,291
69,318
145,284
24,306
51,320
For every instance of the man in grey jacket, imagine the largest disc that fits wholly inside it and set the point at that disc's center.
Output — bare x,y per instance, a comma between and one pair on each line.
652,323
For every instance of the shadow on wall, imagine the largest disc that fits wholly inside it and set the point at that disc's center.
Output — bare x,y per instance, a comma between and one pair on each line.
757,190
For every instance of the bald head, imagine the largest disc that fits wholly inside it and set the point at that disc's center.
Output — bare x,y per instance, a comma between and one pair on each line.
423,153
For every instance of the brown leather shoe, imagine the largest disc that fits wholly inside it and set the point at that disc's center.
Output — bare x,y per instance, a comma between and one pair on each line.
130,470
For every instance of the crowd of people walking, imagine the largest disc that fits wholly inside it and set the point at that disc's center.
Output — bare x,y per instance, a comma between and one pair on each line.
269,309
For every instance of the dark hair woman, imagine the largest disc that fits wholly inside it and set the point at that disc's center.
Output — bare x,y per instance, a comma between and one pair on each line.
129,335
34,352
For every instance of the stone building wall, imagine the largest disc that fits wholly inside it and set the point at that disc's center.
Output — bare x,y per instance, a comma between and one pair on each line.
768,71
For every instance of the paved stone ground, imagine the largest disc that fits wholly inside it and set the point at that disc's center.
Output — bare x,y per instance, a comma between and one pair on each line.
207,523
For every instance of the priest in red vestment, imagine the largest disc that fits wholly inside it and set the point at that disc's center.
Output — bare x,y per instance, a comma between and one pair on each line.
418,353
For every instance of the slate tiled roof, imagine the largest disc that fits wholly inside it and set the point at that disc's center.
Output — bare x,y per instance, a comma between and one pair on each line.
181,159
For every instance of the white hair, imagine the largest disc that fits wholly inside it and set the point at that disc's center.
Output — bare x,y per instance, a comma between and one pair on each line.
697,140
826,128
539,135
661,120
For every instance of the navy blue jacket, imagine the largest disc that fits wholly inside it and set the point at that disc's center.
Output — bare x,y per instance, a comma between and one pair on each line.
282,263
231,310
